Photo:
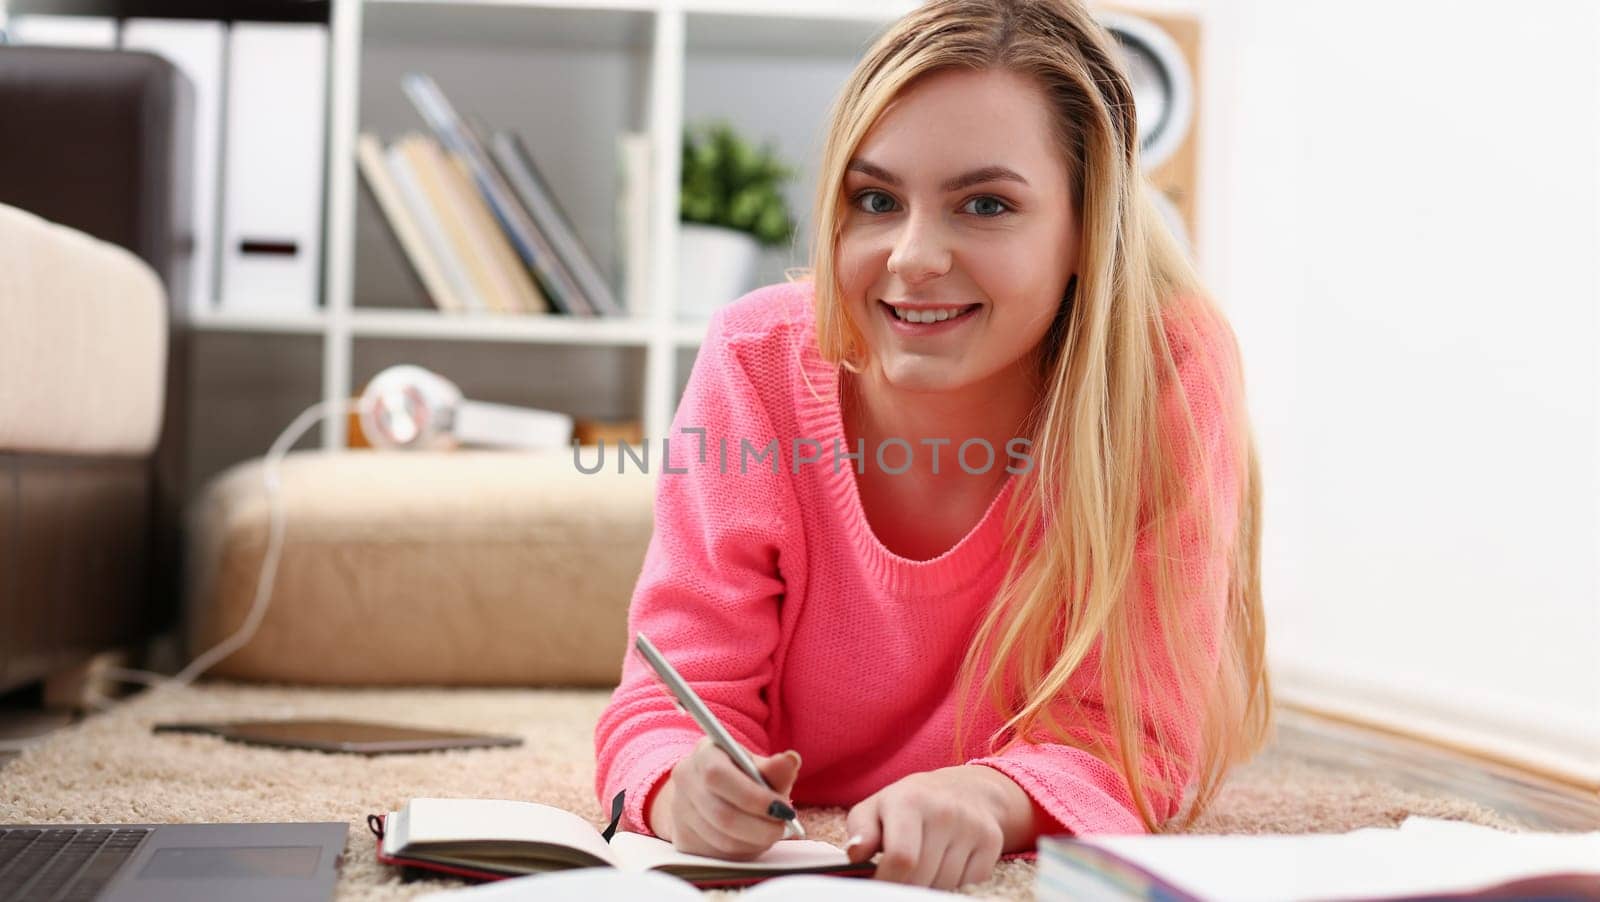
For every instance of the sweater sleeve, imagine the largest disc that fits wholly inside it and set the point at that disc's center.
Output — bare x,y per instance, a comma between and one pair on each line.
1081,793
709,592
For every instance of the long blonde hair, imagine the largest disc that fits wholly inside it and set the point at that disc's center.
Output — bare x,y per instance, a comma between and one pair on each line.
1135,352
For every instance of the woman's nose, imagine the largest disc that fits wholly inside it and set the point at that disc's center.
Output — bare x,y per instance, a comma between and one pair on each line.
920,251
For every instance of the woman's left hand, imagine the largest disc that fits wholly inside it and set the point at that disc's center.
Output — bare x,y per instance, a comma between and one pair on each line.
941,828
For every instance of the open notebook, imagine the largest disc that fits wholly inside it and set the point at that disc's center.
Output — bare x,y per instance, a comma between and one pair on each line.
489,839
593,884
1423,858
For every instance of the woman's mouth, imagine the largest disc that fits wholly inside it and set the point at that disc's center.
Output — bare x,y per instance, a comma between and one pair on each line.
927,320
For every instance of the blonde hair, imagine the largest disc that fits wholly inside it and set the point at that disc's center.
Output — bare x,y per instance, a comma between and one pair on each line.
1073,663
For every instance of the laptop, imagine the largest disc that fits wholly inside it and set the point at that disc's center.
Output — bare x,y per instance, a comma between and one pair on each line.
170,862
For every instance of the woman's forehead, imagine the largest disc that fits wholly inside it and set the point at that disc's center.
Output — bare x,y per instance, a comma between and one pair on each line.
948,123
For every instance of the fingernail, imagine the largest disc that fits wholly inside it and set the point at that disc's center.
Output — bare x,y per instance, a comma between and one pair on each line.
854,841
780,811
796,757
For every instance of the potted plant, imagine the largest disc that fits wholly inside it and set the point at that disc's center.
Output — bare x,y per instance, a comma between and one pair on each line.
731,206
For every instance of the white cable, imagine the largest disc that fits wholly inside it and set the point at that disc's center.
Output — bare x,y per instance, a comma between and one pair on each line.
269,563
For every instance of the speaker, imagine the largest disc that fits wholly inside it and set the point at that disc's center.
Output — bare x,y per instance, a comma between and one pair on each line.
1161,56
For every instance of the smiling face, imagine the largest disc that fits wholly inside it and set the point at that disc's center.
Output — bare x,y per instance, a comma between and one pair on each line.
957,208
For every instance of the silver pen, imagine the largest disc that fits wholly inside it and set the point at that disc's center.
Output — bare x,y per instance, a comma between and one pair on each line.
690,702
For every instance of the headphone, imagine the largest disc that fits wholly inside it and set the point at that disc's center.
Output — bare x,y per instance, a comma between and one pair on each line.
410,408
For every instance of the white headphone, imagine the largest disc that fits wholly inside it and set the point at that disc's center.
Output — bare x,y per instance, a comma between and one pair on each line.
408,407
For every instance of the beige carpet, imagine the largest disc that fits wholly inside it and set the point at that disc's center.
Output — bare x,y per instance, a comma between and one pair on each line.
110,769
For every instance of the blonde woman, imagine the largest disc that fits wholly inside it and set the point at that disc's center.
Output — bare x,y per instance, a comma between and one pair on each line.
960,531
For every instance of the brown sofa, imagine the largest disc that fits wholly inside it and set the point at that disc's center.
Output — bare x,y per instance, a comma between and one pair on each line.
94,185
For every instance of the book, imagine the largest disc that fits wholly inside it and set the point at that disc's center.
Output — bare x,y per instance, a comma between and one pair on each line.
589,884
554,280
461,297
493,839
427,161
522,295
1424,858
516,163
375,172
633,220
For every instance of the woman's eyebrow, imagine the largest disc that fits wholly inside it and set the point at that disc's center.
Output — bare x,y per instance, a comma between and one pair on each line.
966,180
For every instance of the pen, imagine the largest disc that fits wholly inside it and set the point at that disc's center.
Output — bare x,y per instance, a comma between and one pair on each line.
690,702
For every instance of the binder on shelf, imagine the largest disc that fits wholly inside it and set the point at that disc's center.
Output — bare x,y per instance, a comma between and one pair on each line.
428,267
633,220
47,30
196,47
553,279
516,163
410,185
271,254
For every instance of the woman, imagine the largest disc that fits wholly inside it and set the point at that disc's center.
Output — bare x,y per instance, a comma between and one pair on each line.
1000,357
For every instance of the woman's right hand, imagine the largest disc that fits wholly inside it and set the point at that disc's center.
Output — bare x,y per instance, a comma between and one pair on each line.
708,806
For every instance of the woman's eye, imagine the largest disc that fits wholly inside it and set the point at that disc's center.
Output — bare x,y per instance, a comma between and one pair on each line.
1004,207
870,207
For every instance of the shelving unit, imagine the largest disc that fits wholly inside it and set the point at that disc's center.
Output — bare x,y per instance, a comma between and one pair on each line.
669,57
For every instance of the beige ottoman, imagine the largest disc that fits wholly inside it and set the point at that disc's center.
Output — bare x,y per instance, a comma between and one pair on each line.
444,568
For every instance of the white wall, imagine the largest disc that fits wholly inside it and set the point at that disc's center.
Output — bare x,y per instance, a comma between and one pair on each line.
1398,212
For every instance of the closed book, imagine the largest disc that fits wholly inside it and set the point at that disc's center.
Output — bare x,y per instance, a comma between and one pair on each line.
1425,858
369,157
462,296
532,246
633,220
433,173
514,160
524,294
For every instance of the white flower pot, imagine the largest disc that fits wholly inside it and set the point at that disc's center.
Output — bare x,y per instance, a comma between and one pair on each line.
716,265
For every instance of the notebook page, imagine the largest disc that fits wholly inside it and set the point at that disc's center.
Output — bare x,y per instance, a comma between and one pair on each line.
637,852
582,885
476,820
1363,864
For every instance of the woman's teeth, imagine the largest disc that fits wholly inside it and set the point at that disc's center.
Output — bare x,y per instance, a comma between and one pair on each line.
929,316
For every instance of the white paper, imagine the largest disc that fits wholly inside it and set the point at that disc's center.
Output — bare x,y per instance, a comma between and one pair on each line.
1421,859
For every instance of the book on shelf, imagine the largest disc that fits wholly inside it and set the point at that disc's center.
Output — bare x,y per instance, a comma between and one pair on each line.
461,296
521,294
554,278
424,262
1424,858
490,839
428,163
633,219
516,163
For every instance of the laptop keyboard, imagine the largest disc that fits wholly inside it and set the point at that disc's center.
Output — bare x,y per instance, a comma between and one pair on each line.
63,864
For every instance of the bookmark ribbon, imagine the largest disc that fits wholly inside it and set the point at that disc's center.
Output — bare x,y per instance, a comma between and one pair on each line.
616,815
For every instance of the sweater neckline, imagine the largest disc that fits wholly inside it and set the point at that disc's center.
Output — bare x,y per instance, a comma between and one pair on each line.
822,418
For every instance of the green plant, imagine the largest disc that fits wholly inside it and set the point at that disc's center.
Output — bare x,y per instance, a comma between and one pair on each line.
727,183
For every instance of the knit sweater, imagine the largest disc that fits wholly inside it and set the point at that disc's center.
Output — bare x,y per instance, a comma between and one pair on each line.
768,590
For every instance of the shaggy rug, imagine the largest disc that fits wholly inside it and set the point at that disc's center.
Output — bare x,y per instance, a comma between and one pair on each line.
110,769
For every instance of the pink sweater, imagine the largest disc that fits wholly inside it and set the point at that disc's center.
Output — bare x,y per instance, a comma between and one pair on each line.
774,599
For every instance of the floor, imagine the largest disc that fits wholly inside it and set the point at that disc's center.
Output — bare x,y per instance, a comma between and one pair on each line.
1542,804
